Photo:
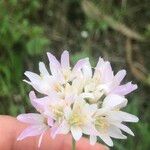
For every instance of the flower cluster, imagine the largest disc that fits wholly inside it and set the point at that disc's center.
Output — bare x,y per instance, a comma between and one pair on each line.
80,100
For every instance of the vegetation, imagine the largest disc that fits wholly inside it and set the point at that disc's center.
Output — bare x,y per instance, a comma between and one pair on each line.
118,30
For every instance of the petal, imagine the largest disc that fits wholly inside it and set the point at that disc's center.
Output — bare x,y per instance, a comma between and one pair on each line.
64,128
124,128
37,82
65,63
105,70
43,69
33,130
54,130
89,129
33,77
40,140
31,118
107,73
54,65
76,133
119,77
52,59
79,65
38,103
93,139
116,133
123,116
50,121
114,101
106,139
92,109
125,89
87,70
67,112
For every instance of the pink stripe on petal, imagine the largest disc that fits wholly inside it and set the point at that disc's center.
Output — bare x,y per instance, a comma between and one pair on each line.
32,131
65,60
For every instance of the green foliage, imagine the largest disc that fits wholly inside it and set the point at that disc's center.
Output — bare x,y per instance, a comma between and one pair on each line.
29,27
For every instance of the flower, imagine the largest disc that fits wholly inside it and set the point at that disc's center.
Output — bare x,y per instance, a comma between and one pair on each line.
78,100
61,73
109,119
38,125
103,81
79,118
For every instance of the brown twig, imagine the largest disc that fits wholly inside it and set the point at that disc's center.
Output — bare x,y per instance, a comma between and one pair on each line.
92,11
139,75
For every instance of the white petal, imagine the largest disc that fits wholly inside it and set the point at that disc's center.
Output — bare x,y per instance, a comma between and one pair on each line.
116,133
124,128
67,112
54,65
31,118
87,70
114,101
105,69
92,109
89,129
106,139
52,59
93,139
32,131
64,128
123,116
65,60
43,69
33,77
76,133
119,77
79,65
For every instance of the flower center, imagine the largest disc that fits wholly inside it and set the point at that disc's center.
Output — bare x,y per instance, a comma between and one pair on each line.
58,87
57,112
101,124
76,120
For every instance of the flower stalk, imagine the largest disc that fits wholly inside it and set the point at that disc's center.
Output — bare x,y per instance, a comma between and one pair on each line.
73,144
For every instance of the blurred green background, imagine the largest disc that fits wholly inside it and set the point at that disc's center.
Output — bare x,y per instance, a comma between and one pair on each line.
118,30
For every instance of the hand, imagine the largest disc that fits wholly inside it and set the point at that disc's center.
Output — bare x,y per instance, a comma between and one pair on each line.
10,128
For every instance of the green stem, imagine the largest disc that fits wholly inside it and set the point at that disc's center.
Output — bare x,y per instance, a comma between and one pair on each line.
73,144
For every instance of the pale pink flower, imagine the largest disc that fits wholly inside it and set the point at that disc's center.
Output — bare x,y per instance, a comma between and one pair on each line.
60,74
79,119
62,71
38,125
109,120
103,81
